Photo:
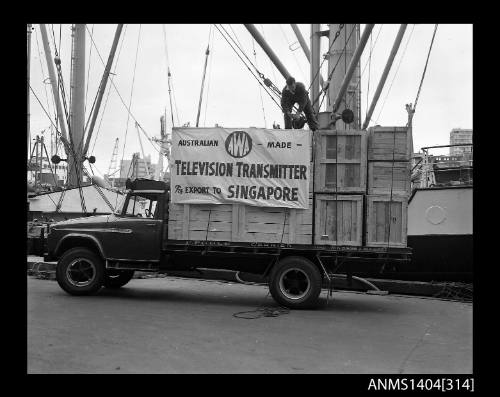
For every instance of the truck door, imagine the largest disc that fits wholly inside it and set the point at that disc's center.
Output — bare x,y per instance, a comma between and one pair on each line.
140,228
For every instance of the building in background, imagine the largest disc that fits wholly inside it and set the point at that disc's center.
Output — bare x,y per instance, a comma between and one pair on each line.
460,136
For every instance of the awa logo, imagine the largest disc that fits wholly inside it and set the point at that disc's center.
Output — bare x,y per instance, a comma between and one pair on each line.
238,144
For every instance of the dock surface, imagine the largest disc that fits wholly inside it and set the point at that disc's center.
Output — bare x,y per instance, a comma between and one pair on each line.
177,325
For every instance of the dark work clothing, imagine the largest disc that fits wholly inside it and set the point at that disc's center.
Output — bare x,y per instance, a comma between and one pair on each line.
300,97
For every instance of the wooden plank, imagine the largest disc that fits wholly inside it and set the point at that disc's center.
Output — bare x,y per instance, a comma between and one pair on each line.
339,219
292,226
386,221
185,226
235,223
382,175
389,144
340,162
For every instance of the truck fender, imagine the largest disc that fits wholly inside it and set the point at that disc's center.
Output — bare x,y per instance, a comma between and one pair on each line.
80,236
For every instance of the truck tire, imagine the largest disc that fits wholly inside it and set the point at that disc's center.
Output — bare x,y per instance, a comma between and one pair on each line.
80,271
295,282
117,278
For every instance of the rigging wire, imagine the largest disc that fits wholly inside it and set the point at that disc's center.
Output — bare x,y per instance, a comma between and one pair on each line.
43,72
395,74
120,96
169,78
109,89
88,74
250,70
131,92
366,64
273,71
425,68
260,89
211,43
369,74
327,83
293,53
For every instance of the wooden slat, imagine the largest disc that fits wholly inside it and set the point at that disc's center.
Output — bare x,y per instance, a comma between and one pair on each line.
383,141
340,162
382,175
382,215
339,217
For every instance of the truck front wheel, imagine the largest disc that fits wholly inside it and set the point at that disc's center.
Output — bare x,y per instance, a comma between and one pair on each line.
80,271
117,278
295,282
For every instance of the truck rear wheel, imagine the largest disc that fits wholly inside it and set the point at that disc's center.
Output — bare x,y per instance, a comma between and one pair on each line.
295,282
80,271
117,278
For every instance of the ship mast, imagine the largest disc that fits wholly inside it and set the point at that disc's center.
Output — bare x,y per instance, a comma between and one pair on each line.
77,100
28,86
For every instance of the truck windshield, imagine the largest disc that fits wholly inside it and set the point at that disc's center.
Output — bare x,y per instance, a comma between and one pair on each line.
141,205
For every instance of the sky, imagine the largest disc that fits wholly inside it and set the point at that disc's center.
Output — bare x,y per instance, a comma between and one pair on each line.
232,97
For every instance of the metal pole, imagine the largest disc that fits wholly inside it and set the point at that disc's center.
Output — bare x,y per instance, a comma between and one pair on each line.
28,84
102,86
305,48
55,89
352,65
77,115
383,78
207,52
270,53
314,60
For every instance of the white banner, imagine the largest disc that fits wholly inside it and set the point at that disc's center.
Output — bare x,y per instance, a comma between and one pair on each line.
254,166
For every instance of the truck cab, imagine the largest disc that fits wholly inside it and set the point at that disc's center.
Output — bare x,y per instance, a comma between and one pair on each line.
97,249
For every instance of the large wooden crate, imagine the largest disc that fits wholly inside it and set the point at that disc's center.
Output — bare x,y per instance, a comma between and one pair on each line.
340,161
339,219
389,144
240,223
385,217
384,175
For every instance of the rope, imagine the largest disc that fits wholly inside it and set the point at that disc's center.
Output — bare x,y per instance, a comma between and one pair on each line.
262,311
425,68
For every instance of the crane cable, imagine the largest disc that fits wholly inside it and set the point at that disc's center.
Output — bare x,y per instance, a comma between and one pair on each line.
425,68
258,81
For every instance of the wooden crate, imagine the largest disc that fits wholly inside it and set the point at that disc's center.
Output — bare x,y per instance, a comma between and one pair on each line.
384,216
340,161
339,220
389,144
240,223
382,175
